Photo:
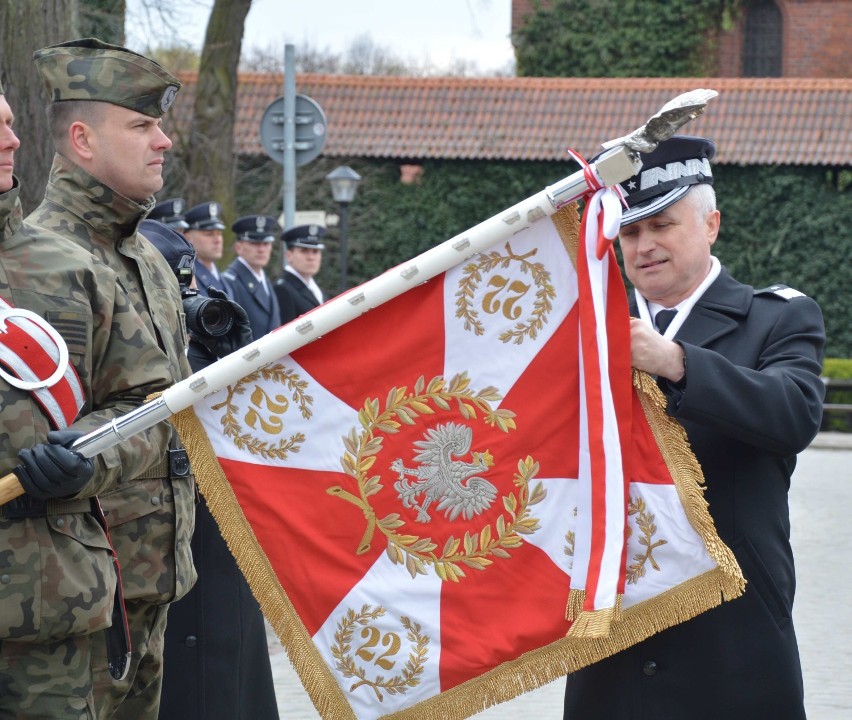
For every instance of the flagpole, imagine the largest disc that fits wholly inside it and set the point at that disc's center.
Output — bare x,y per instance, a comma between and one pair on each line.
617,163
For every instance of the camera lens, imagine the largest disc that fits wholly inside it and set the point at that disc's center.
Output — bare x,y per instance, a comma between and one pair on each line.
216,317
207,317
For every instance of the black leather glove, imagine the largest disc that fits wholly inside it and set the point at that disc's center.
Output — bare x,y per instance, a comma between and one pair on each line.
51,470
238,336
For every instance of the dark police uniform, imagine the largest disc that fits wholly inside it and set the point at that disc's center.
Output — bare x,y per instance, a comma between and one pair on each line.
750,401
294,296
257,299
207,216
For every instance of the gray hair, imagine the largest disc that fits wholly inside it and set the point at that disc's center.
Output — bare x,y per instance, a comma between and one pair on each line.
702,198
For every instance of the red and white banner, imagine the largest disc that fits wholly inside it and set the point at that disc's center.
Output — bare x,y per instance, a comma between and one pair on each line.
422,498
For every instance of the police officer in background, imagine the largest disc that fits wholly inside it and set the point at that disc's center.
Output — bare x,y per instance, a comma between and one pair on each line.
105,117
204,233
252,289
296,289
170,213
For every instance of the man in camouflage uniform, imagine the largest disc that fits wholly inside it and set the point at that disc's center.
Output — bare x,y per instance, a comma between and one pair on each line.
57,578
105,117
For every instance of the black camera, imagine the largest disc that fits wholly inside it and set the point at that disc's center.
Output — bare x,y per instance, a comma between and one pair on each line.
206,318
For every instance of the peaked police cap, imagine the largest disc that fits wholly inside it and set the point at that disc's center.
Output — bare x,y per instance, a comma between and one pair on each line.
256,228
667,174
207,216
305,236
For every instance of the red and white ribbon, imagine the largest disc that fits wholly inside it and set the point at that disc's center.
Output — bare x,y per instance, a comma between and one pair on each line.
605,407
34,358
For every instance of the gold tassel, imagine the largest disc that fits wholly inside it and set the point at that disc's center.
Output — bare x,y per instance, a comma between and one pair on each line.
576,600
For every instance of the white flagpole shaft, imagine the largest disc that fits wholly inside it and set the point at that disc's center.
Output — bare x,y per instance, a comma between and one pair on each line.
615,166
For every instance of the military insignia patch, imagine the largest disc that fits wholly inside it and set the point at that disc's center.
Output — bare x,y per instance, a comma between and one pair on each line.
169,95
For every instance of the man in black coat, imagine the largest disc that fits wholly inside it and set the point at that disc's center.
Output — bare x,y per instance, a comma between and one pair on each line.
247,275
296,289
740,370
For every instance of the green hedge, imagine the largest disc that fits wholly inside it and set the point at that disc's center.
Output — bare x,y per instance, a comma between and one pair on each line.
837,368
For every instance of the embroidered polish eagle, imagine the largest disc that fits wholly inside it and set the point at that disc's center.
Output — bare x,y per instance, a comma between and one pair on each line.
439,478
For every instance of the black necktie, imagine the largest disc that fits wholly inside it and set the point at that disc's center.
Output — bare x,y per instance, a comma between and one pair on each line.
664,319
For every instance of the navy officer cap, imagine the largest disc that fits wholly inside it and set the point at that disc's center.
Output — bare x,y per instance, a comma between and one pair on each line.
667,174
304,236
207,216
170,212
256,228
173,246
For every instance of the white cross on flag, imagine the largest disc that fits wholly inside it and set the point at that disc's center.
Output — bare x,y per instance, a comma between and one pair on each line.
463,493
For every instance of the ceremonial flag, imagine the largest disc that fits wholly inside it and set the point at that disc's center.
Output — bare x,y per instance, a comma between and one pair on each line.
429,500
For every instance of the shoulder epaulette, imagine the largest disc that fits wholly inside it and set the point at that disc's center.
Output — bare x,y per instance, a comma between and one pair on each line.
782,291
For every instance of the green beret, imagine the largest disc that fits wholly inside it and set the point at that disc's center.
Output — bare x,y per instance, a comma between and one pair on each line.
90,69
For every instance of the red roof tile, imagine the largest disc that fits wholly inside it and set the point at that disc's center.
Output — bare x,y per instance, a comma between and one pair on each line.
796,121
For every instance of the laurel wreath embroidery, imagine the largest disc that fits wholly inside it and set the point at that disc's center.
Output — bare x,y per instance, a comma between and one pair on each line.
570,541
416,553
472,276
275,406
646,524
398,684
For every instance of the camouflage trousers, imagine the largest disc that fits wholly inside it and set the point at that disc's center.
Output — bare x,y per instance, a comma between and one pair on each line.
46,681
137,697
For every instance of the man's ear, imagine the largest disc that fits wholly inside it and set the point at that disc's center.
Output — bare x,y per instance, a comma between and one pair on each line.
80,136
713,221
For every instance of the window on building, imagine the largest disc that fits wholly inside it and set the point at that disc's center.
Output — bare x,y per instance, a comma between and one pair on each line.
763,36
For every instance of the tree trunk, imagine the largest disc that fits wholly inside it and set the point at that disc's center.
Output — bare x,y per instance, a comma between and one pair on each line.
26,26
103,19
211,161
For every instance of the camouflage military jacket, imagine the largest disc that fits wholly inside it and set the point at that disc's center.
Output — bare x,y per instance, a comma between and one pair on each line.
151,517
56,572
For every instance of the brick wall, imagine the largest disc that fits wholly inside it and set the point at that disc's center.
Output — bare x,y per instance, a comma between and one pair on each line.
815,38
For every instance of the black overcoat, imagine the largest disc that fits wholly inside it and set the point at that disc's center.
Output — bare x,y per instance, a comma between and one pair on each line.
752,400
294,297
260,306
216,660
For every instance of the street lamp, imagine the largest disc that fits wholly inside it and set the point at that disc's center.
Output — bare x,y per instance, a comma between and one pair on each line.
344,184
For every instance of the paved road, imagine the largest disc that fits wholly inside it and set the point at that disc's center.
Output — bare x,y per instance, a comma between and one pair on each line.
820,506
